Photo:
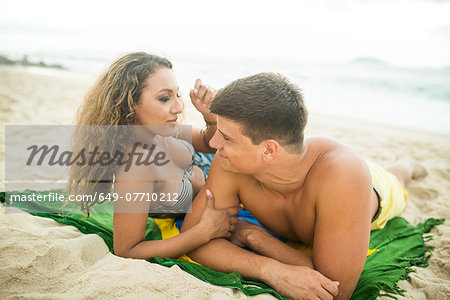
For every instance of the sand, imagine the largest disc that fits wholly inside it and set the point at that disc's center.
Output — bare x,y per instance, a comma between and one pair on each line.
41,258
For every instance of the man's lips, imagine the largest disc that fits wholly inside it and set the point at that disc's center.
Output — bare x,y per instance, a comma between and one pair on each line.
222,156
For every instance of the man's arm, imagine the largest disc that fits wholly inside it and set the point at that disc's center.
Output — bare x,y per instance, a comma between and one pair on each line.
262,242
342,227
222,255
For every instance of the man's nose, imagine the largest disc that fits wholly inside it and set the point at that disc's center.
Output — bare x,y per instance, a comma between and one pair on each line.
214,142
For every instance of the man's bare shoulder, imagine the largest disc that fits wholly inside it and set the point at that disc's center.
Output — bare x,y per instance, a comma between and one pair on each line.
331,153
324,143
224,183
217,172
335,163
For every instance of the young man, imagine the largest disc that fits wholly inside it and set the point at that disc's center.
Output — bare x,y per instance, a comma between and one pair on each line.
316,191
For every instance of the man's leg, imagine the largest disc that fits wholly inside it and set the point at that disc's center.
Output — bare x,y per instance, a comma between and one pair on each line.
391,183
406,169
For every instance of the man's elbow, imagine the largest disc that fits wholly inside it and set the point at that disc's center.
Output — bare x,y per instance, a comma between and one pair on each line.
347,281
344,295
346,288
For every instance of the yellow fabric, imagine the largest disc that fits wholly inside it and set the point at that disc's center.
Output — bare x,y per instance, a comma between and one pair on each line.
393,195
308,249
371,251
168,230
301,247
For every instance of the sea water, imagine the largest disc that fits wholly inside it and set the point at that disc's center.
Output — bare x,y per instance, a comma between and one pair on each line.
364,89
360,90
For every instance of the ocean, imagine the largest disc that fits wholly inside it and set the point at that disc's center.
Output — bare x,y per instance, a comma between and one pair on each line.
364,89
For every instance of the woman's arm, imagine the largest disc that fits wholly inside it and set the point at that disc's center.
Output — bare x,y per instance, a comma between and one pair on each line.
201,138
130,222
201,97
129,235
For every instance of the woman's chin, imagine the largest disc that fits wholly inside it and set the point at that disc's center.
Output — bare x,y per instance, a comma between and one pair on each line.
165,130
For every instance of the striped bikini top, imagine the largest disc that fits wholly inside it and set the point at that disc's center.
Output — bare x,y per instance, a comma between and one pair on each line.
186,194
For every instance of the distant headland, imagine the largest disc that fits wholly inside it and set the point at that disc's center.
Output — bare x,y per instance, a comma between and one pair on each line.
25,62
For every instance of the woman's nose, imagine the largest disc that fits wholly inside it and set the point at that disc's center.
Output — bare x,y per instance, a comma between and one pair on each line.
177,107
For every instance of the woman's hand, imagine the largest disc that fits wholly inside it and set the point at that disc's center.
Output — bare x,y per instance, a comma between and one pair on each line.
218,223
201,96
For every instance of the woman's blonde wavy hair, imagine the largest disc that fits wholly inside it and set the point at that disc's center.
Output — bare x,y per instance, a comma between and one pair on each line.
110,101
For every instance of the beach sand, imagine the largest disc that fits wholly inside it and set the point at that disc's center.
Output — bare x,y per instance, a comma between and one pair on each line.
41,258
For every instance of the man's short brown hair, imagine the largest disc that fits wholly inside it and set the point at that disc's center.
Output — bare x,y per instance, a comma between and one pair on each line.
267,106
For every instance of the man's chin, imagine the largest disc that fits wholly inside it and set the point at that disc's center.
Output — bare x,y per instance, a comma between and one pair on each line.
228,168
225,165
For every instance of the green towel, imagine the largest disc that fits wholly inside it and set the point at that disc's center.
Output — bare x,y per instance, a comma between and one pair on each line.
400,246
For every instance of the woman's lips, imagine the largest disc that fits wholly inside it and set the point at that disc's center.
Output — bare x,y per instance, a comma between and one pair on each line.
173,121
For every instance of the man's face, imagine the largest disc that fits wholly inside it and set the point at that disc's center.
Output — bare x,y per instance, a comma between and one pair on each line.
236,151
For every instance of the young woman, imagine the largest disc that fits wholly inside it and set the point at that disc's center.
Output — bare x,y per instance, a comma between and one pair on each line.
140,89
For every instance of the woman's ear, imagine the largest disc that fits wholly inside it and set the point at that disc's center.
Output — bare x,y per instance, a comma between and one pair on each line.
271,149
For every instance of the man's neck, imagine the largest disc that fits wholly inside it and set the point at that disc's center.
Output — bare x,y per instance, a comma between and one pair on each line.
287,173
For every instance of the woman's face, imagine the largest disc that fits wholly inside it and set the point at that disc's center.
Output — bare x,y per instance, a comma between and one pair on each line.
160,102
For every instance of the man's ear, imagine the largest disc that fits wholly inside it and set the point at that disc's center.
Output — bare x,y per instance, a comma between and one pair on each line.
271,149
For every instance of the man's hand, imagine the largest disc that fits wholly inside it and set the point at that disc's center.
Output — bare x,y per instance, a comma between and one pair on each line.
299,282
201,96
239,236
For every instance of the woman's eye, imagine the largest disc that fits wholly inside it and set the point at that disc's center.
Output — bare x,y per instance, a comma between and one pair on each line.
164,98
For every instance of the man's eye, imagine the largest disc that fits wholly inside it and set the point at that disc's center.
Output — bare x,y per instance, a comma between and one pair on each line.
164,98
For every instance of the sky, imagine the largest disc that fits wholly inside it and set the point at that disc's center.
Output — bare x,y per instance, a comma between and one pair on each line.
414,33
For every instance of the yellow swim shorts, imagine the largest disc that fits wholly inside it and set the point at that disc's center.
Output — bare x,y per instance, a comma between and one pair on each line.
393,195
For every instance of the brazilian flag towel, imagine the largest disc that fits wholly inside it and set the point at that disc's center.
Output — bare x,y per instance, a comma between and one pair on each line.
394,250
